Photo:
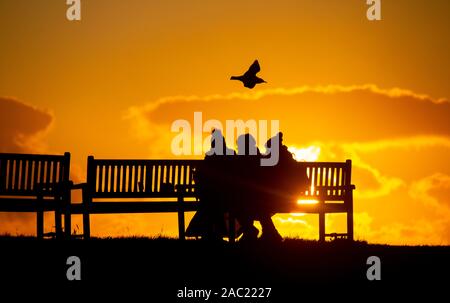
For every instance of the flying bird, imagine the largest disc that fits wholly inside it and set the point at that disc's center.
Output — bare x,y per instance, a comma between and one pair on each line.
249,78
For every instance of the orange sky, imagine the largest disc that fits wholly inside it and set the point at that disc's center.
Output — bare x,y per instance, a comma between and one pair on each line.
111,85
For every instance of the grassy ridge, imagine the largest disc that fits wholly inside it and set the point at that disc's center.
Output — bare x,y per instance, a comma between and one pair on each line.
165,265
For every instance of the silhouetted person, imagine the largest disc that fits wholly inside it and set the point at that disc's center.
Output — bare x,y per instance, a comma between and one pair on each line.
212,177
249,78
294,177
284,182
219,145
277,181
247,146
241,186
255,201
246,186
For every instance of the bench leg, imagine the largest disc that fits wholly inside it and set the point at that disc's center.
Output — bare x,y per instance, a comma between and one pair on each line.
321,227
40,224
58,223
181,227
181,223
350,226
350,221
67,224
86,225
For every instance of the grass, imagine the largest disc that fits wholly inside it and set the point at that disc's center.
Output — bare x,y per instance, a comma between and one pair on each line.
166,264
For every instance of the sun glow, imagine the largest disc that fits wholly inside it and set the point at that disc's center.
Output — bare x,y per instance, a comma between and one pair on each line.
308,154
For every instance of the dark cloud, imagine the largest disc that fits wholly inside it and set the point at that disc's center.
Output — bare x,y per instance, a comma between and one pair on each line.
20,124
351,114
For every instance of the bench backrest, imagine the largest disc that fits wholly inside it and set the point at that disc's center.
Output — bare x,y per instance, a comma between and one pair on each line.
140,178
162,178
20,174
328,179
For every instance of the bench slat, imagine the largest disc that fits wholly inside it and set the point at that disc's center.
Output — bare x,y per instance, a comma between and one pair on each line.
22,174
2,174
136,179
9,185
118,177
110,181
41,171
148,178
47,179
31,174
338,179
331,180
141,178
55,172
105,182
100,179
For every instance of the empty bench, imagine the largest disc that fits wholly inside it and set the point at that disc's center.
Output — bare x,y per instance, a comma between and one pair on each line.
137,186
330,185
155,186
36,183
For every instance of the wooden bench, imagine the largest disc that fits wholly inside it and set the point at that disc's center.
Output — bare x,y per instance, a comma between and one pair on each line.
153,186
156,186
36,183
330,185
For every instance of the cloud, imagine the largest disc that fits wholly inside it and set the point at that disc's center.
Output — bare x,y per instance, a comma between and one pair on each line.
259,94
433,191
22,126
374,182
326,113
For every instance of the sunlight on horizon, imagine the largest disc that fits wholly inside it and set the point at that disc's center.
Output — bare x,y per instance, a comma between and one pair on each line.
301,201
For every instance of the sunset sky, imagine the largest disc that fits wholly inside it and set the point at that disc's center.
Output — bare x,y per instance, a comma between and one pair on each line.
342,87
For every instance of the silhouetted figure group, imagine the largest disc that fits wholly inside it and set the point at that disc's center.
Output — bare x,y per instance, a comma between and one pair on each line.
236,184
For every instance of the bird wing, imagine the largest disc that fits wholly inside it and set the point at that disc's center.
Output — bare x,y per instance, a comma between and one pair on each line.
254,68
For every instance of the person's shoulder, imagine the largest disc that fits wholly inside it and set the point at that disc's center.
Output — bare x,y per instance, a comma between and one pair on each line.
284,148
230,152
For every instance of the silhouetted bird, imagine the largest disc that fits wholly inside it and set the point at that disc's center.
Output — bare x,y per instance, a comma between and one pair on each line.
249,78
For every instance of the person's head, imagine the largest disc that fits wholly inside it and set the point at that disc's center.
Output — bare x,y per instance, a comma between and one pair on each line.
278,138
247,145
218,144
273,146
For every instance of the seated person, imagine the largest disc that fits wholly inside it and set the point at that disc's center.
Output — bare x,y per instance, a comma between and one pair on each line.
211,177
